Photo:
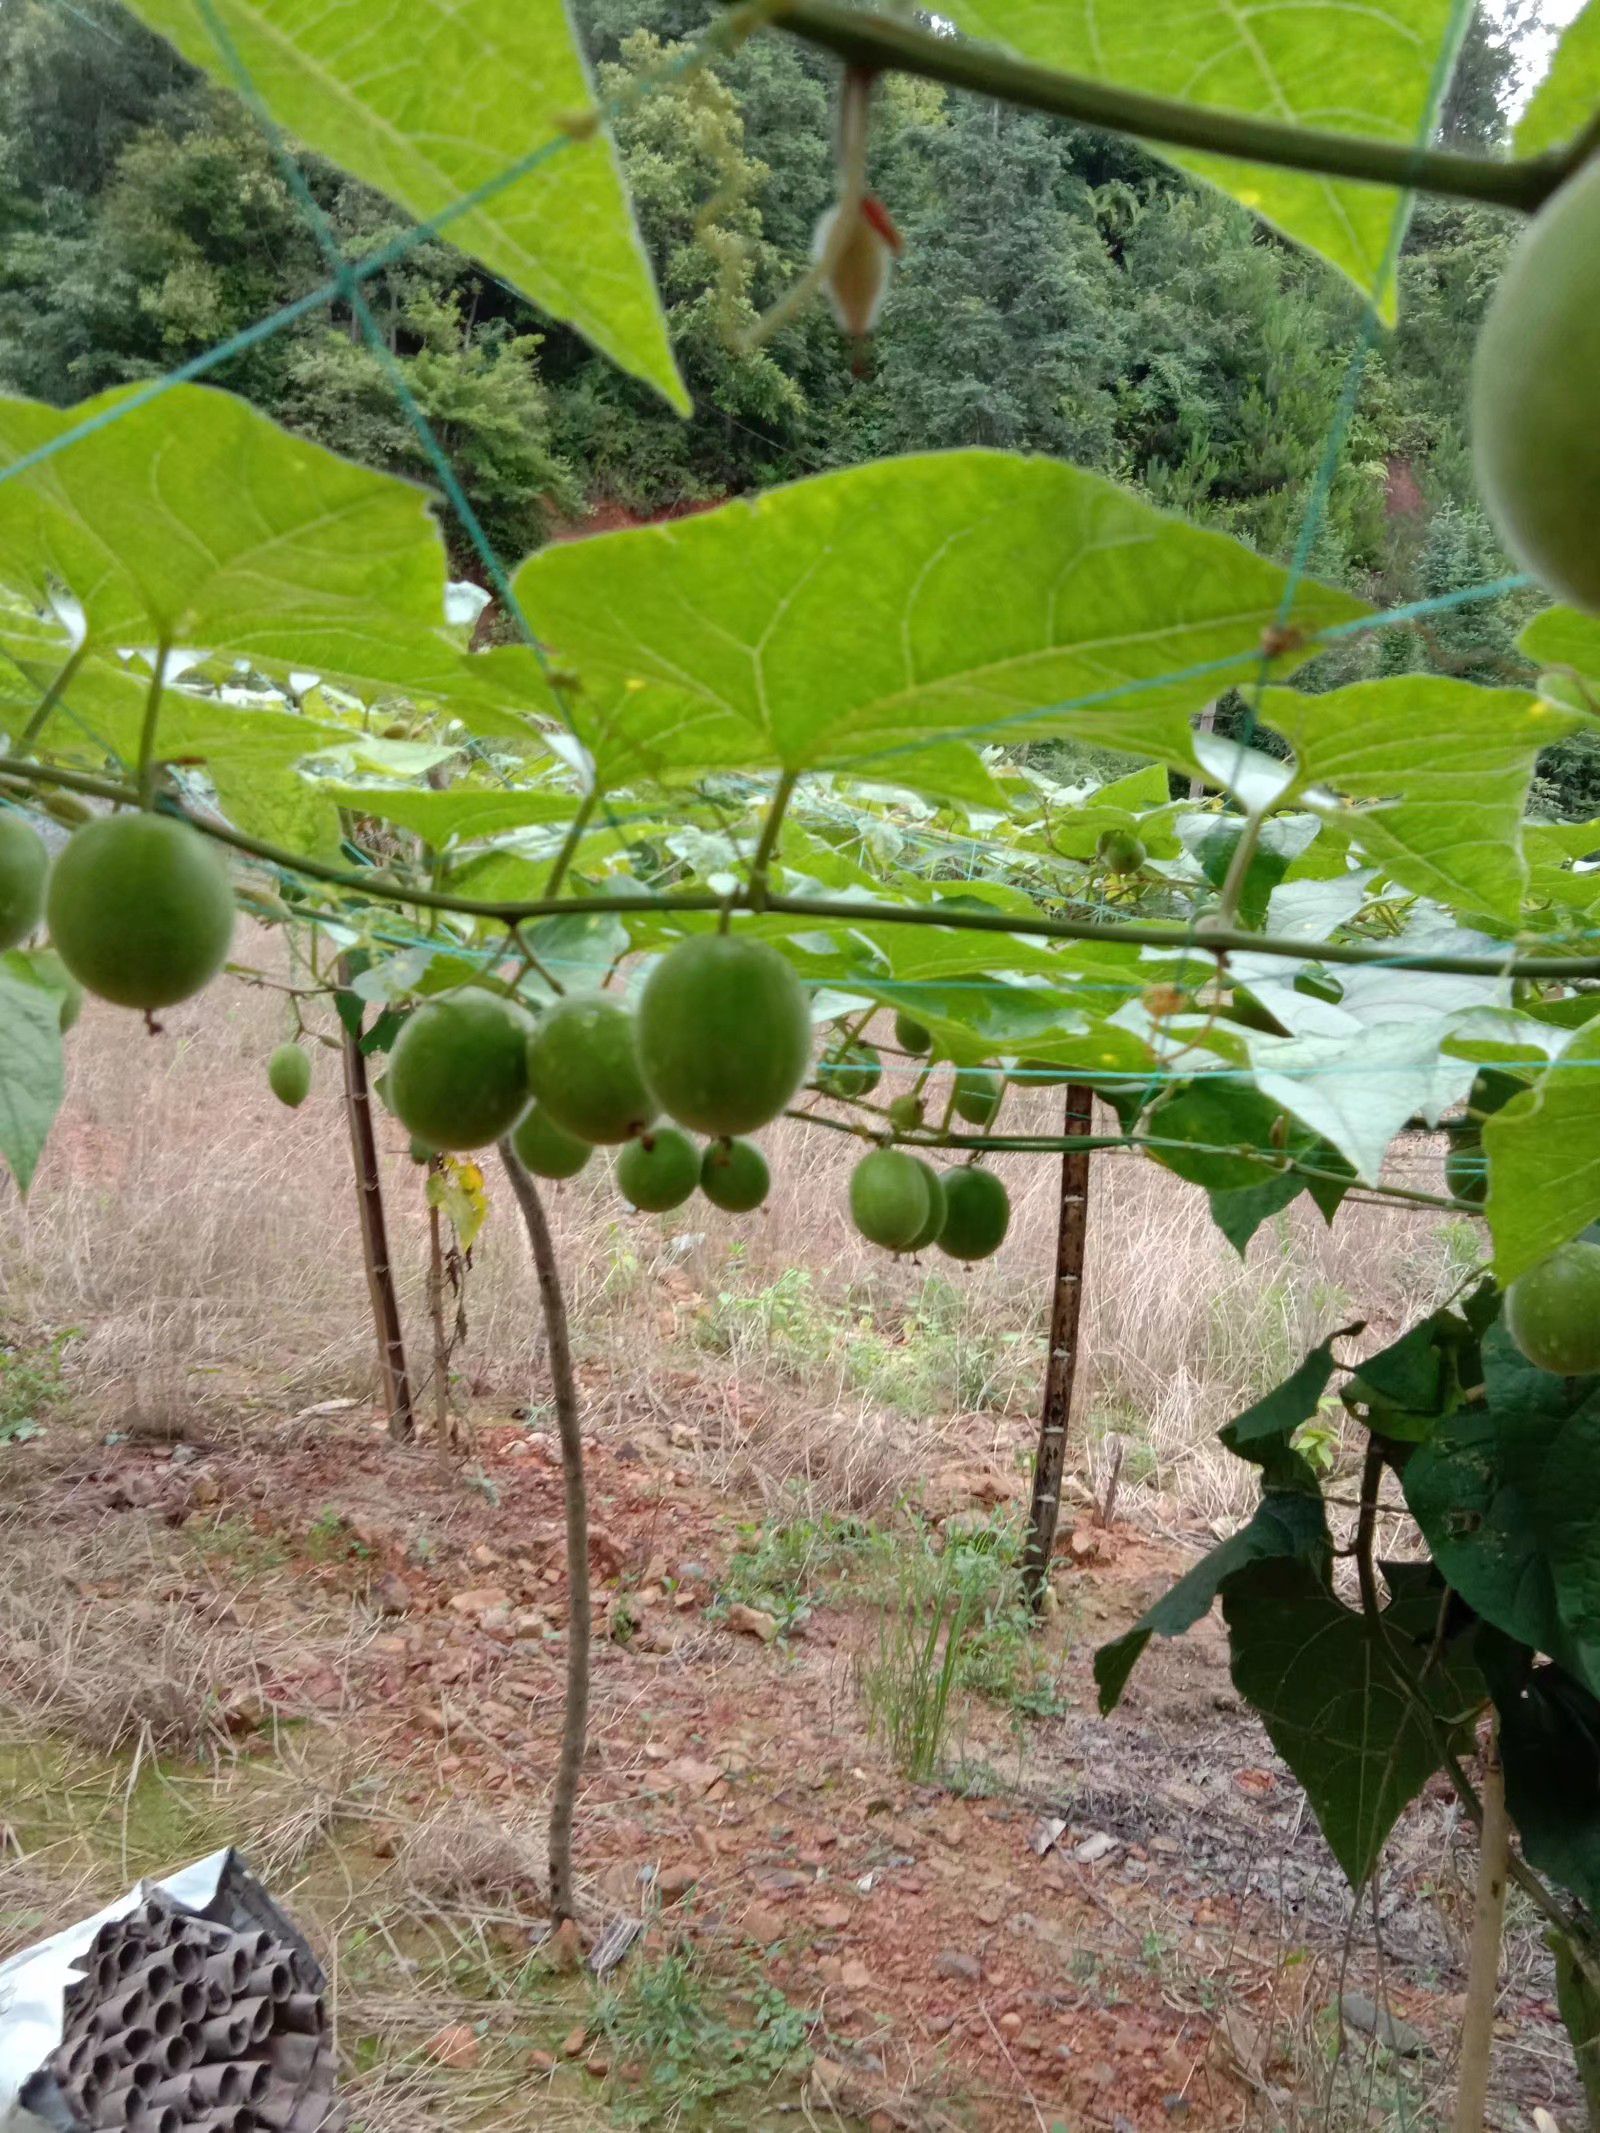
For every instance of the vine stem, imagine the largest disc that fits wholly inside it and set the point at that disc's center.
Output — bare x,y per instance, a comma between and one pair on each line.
1488,1925
768,843
575,1707
573,838
885,42
1138,934
146,774
51,697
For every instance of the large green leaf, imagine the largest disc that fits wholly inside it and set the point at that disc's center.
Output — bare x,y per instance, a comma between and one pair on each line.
195,521
840,620
1507,1494
1440,769
1544,1158
461,814
1286,1523
1550,1747
1312,64
32,1077
1326,1689
1569,96
432,104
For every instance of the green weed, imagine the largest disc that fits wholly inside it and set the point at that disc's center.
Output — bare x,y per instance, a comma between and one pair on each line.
32,1385
782,1568
696,2041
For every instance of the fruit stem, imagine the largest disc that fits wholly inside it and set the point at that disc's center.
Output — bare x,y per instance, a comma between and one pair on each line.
51,697
1488,1924
147,730
1148,933
768,842
881,41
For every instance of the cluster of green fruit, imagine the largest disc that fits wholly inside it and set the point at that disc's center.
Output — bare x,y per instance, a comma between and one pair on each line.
898,1200
719,1043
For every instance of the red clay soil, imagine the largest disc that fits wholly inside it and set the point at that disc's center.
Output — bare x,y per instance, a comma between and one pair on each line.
1139,1931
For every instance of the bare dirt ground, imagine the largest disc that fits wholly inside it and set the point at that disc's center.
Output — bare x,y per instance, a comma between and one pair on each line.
1128,1923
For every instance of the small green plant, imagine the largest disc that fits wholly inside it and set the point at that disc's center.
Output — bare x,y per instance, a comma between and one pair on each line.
1321,1440
953,1624
697,2039
781,1568
32,1384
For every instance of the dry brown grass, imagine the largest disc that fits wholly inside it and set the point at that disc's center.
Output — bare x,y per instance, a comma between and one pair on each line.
104,1645
204,1241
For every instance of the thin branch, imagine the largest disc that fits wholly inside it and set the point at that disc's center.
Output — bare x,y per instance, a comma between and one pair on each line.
888,43
1483,1965
1151,933
764,850
575,1709
570,843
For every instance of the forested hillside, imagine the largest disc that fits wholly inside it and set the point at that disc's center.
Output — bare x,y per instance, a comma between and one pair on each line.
1061,291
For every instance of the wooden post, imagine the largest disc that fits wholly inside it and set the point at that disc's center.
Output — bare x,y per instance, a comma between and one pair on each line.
375,1237
1061,1361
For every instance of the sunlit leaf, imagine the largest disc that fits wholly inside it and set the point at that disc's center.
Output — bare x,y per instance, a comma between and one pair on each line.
192,520
32,1077
1307,64
431,107
1569,95
1439,772
846,621
1544,1159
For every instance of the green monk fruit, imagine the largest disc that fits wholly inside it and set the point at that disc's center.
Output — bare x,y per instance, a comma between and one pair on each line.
724,1034
583,1066
889,1198
658,1171
458,1074
849,1071
1553,1311
978,1094
24,864
929,1232
140,909
1119,851
289,1075
977,1214
734,1176
545,1148
1535,439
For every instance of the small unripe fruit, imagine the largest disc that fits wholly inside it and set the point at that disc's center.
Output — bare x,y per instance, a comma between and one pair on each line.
583,1066
977,1214
140,909
724,1034
545,1148
659,1171
978,1094
853,1070
70,808
906,1113
910,1035
1553,1311
1535,439
289,1075
1119,851
734,1176
889,1198
24,864
929,1232
458,1075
